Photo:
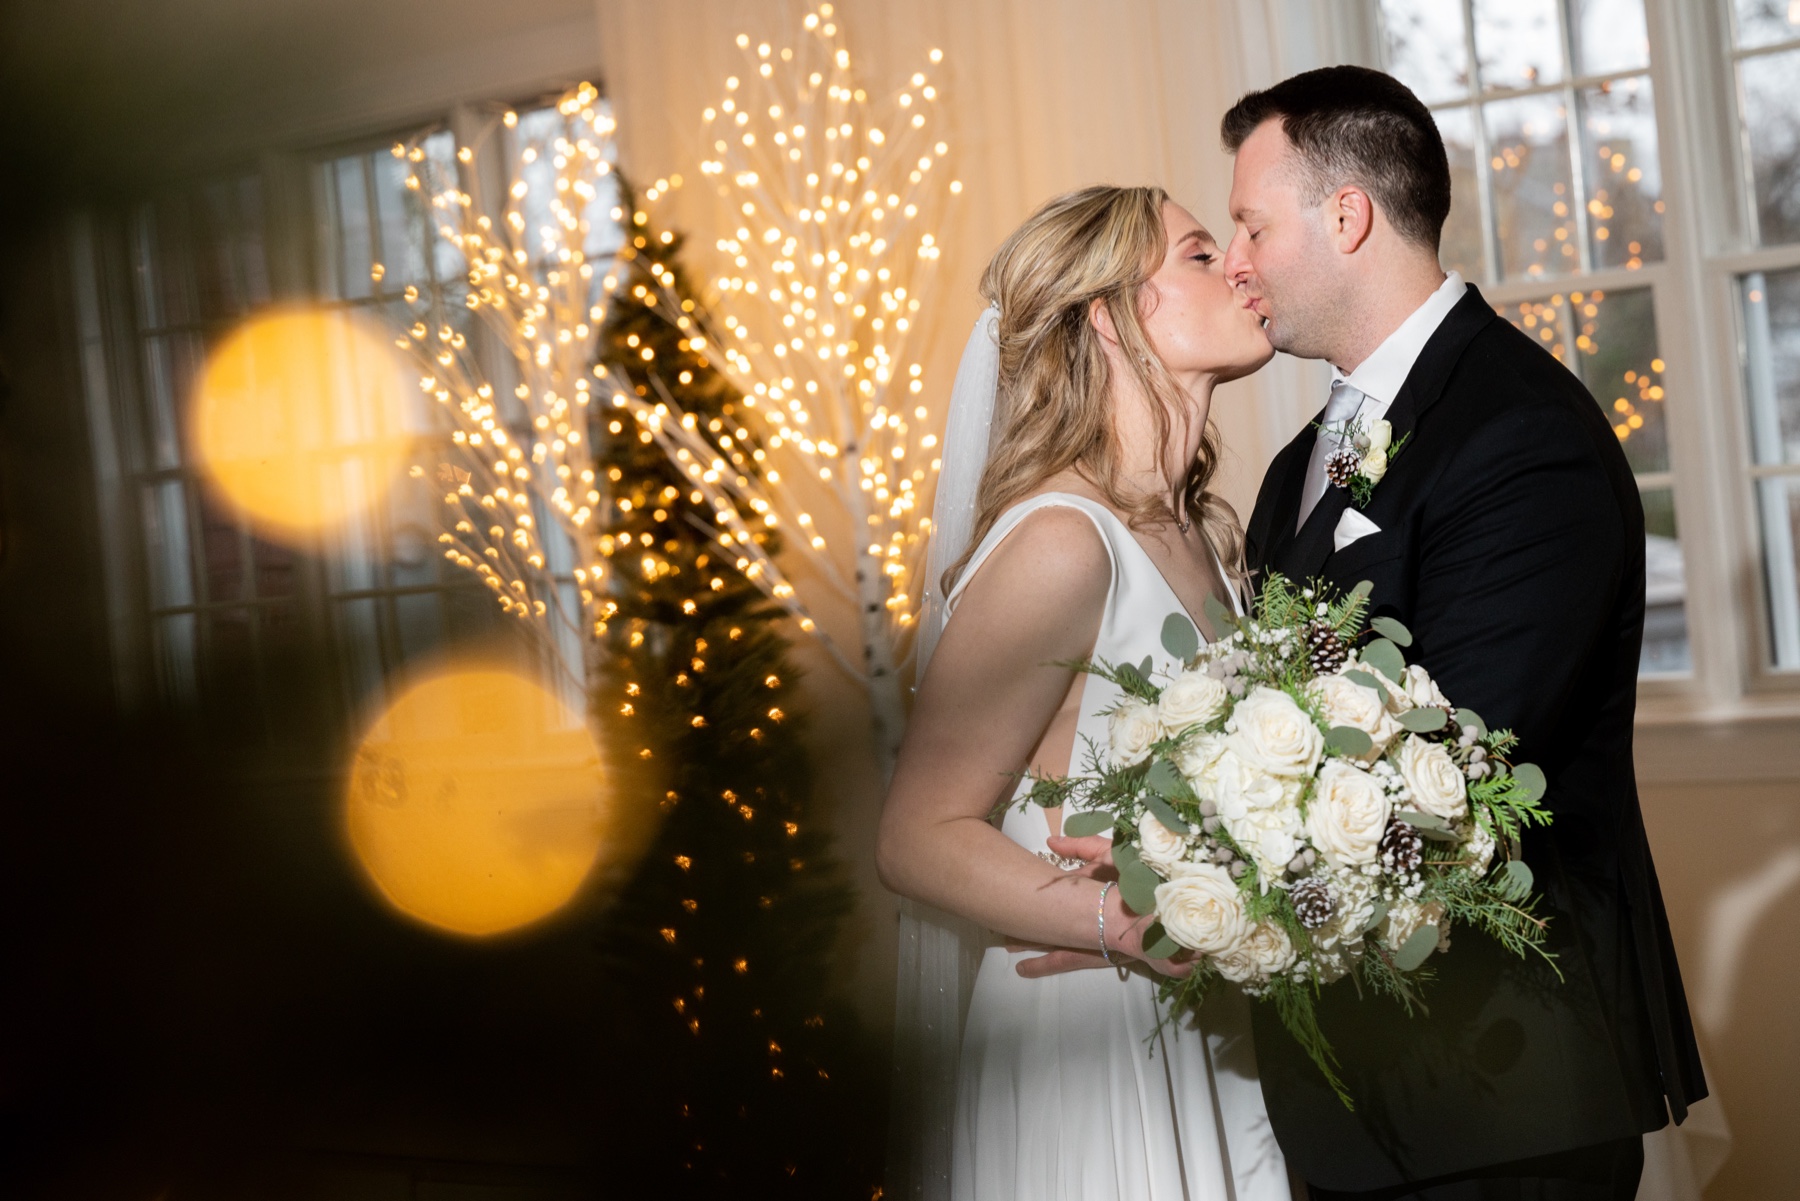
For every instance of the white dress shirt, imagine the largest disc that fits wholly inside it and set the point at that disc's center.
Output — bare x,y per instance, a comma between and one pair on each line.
1377,379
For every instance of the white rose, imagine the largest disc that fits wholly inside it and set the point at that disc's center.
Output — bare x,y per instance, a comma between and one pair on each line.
1344,702
1198,760
1200,908
1380,435
1436,783
1406,918
1192,698
1268,730
1422,690
1480,848
1260,811
1131,730
1374,465
1266,951
1348,815
1158,845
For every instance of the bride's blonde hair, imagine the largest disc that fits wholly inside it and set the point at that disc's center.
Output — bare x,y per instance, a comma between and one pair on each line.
1052,406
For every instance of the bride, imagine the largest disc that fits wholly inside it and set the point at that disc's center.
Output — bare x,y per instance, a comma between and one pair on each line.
1112,322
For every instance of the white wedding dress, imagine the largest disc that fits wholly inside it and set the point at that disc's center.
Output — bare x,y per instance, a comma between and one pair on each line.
1064,1091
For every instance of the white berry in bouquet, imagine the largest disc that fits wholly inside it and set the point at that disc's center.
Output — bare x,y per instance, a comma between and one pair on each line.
1295,803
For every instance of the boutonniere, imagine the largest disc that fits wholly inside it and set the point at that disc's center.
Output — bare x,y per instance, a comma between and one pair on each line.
1362,464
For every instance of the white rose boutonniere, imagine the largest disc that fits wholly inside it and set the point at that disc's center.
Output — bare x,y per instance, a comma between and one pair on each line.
1437,785
1200,908
1269,731
1131,730
1192,698
1365,462
1348,815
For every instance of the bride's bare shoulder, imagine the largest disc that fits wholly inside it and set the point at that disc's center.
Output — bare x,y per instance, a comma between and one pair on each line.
1054,556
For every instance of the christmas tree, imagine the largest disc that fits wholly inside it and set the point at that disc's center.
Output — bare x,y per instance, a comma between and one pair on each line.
752,1081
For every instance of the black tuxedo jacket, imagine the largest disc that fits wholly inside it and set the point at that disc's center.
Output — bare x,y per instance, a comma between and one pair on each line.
1511,543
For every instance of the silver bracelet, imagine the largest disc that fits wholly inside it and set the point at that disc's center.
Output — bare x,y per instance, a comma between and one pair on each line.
1104,953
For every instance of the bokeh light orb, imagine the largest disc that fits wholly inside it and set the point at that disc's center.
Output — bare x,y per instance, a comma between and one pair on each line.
476,802
299,419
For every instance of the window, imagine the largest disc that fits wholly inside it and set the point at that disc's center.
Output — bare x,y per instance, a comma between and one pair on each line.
214,611
1547,112
1765,56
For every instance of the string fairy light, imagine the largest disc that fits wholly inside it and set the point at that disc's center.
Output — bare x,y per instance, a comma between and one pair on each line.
521,458
832,210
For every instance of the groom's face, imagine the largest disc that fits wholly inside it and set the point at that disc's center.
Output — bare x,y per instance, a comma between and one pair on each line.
1279,259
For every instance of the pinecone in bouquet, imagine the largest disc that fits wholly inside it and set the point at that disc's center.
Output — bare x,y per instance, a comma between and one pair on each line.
1295,803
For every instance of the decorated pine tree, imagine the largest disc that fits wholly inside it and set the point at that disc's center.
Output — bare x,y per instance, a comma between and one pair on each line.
748,1079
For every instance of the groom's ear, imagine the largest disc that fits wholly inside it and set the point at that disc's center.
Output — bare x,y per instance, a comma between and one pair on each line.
1352,218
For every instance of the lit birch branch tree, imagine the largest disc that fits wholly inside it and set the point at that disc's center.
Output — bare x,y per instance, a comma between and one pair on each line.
813,319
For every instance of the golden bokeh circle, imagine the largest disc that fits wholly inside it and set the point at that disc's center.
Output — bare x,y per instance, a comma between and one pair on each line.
299,419
476,802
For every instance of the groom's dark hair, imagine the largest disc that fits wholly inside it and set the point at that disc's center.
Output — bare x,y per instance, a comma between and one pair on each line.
1354,125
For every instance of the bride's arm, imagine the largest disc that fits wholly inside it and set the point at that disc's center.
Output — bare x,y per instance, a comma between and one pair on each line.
986,700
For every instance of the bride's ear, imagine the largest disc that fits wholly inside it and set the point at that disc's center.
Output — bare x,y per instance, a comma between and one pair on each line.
1100,317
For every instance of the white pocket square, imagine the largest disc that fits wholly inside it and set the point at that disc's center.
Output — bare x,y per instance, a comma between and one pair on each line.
1350,527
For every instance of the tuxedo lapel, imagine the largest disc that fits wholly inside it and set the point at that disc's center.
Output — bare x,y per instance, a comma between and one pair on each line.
1305,555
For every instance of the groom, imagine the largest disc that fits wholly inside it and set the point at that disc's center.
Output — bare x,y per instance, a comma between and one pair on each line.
1508,535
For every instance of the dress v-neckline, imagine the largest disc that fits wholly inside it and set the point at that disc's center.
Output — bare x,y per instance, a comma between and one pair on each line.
1180,605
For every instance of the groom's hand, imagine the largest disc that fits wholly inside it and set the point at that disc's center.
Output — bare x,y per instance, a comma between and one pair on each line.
1094,851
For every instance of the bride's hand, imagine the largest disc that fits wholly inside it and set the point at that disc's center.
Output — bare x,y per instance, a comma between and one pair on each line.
1095,852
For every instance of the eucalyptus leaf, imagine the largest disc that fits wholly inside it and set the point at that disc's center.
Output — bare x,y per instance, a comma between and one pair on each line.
1468,718
1377,915
1369,679
1165,813
1087,823
1422,821
1130,677
1137,885
1179,637
1145,668
1165,779
1157,943
1438,835
1363,588
1348,740
1417,949
1218,615
1394,631
1385,658
1424,721
1516,880
1531,777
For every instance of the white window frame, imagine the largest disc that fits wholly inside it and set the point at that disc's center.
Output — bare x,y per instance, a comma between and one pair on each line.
1708,240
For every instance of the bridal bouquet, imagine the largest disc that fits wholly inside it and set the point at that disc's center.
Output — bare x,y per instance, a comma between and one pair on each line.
1296,804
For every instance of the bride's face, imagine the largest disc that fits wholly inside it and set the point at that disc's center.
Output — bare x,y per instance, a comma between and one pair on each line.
1195,320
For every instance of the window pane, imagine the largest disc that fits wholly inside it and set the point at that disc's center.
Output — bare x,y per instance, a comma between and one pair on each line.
353,237
1545,320
1518,43
1760,22
222,545
1426,49
1665,588
1778,504
1624,181
1771,346
1608,36
171,364
1619,362
175,638
1772,115
166,545
1528,145
1461,249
